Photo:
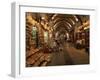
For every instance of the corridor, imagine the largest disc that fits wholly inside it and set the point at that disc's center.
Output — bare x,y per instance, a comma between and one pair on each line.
57,39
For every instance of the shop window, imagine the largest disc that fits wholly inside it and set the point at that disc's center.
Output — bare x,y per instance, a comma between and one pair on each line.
35,36
45,36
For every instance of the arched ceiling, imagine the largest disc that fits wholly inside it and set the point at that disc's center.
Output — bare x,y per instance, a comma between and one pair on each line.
58,21
70,21
62,25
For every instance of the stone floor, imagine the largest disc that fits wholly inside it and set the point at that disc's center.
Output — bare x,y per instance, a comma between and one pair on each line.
69,56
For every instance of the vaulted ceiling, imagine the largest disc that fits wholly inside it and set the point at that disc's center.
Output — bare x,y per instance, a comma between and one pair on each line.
60,23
